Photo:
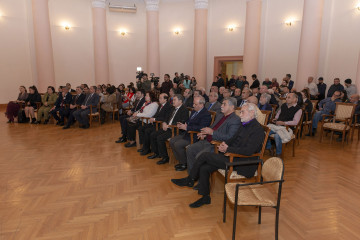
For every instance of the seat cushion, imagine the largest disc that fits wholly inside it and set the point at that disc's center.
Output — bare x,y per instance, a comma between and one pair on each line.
336,126
254,195
234,174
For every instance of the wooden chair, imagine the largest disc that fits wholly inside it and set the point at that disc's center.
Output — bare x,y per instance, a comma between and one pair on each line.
263,117
295,136
93,115
213,115
232,176
115,111
355,125
273,112
307,121
263,193
340,121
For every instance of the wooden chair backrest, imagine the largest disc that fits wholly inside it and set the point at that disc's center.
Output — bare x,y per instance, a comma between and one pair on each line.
344,111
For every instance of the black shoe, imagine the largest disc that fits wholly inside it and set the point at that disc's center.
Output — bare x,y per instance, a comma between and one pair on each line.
10,121
57,122
202,201
86,126
128,145
196,187
121,140
61,124
46,121
153,156
33,121
66,127
145,152
140,150
183,182
38,122
313,131
181,167
163,161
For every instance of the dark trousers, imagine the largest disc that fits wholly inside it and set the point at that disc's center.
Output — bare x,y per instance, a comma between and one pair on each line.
54,113
124,125
144,135
204,166
131,132
70,116
178,144
65,112
81,116
158,142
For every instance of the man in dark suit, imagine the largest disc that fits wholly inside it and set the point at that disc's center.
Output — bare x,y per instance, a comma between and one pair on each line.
162,114
77,100
265,89
60,105
140,96
246,141
91,101
213,104
159,138
256,82
289,81
245,94
199,119
224,127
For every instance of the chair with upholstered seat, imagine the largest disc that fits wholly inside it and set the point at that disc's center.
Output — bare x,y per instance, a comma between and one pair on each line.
264,193
340,121
94,115
307,121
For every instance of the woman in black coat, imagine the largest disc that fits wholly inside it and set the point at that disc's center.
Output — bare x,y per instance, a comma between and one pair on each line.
30,104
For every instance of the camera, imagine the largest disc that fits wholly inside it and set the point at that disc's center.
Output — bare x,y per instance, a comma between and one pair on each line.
139,74
155,80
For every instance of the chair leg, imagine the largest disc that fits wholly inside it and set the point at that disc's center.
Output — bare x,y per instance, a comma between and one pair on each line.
234,220
343,138
259,218
224,207
283,151
321,134
331,137
212,182
293,148
277,223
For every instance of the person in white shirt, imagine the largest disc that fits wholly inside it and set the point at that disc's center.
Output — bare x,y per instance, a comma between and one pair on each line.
350,88
147,110
313,89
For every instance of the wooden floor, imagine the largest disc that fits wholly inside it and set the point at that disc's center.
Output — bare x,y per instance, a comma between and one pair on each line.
79,184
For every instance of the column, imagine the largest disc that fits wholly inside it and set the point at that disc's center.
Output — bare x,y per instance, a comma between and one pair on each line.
153,49
309,51
101,56
43,45
358,76
200,43
252,38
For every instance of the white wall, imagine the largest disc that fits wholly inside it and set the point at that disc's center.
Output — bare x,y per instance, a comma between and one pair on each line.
279,42
15,67
221,42
73,49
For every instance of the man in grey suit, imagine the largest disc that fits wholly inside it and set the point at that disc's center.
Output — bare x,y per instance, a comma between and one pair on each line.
224,127
213,104
81,115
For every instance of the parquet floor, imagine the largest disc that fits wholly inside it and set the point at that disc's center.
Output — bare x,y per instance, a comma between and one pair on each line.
79,184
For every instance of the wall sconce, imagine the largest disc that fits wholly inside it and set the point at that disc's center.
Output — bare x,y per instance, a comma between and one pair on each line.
123,32
288,22
66,26
138,69
358,6
231,28
177,31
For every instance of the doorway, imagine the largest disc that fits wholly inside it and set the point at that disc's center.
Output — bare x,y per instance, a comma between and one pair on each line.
227,66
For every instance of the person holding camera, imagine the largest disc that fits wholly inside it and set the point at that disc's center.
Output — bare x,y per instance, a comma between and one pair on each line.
166,85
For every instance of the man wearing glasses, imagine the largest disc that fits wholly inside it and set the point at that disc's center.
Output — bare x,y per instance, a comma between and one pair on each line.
326,106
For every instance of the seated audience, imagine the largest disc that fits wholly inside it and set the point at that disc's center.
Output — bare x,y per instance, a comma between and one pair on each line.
264,102
188,98
70,89
123,122
166,85
335,87
60,105
274,83
226,94
48,100
30,104
162,114
326,106
344,96
237,94
321,89
308,104
265,89
91,101
252,99
267,82
245,94
213,104
289,114
148,110
224,127
77,100
313,88
13,107
179,114
128,98
203,93
256,82
199,118
246,141
109,103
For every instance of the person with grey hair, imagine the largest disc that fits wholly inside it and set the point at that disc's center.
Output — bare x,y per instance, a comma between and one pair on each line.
247,140
77,100
245,94
60,105
224,127
199,118
213,104
264,102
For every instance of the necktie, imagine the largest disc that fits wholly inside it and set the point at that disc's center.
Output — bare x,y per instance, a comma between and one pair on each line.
210,106
172,116
88,99
194,115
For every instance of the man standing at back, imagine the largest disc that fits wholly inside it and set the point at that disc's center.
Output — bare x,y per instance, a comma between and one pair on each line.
335,87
